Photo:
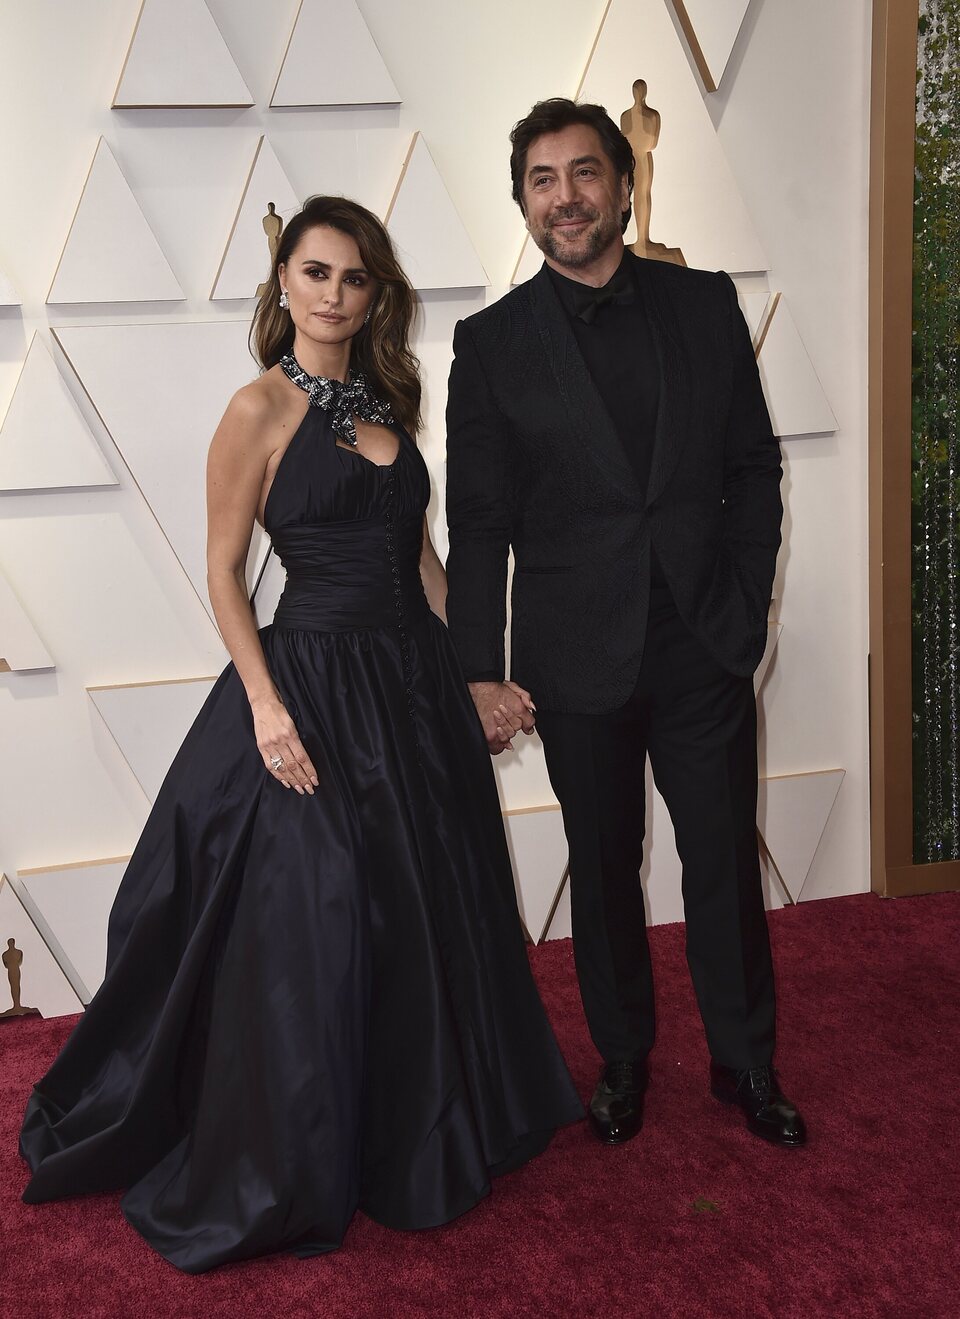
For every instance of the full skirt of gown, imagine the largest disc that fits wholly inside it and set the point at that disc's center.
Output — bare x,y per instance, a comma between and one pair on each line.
318,1003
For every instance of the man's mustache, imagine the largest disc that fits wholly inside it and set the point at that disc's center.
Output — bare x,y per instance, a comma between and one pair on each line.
572,213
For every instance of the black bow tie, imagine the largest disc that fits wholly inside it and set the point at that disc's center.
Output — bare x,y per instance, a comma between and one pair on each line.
615,294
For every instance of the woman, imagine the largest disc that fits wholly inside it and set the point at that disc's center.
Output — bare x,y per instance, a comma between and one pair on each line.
317,995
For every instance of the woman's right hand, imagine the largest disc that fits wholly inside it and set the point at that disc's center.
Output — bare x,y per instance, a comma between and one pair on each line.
278,739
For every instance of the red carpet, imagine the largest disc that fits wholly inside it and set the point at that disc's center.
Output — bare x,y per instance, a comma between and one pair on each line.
864,1222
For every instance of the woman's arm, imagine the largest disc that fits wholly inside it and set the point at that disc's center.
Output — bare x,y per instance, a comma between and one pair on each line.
236,468
433,576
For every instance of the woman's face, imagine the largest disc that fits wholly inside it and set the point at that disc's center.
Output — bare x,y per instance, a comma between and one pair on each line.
329,288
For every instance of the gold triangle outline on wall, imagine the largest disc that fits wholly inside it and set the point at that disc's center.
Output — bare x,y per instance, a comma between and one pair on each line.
73,865
400,177
693,42
155,682
564,880
765,321
696,47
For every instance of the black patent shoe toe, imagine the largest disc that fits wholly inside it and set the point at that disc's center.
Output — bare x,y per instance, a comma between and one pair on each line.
616,1108
769,1113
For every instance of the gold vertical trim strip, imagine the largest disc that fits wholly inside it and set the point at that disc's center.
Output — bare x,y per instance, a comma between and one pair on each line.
892,146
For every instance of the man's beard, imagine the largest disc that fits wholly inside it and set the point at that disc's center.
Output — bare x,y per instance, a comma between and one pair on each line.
588,246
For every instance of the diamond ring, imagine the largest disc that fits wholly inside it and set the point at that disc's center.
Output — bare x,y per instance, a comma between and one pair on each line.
277,762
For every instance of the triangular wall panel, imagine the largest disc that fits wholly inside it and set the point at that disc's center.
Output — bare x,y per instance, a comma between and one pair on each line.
434,247
775,894
43,984
149,721
773,637
795,397
177,57
111,254
756,309
538,852
164,438
45,443
70,906
792,813
332,60
20,646
711,28
246,257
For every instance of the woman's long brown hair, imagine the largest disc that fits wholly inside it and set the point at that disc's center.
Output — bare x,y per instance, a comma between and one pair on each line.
381,349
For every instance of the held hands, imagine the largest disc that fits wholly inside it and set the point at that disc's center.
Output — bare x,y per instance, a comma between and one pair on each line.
504,709
279,744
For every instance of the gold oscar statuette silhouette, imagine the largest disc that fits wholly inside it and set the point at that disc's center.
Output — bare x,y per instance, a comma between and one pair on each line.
273,228
12,959
640,125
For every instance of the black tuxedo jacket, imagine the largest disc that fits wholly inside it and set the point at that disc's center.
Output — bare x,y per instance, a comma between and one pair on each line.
534,462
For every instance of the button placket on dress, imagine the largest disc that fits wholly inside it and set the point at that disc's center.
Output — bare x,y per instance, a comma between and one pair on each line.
390,521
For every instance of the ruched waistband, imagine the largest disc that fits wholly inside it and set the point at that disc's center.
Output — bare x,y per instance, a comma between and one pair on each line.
331,606
347,577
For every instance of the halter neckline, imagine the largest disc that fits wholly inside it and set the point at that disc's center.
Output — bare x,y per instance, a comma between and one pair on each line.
344,400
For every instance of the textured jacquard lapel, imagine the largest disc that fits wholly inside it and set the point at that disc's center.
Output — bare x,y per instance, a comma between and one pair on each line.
676,383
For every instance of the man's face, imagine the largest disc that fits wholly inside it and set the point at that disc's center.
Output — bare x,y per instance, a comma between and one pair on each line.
572,196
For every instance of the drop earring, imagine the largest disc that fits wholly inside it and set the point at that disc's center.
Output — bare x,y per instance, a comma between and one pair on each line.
284,300
366,319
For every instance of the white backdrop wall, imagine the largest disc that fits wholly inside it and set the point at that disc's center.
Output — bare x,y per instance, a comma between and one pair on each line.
92,568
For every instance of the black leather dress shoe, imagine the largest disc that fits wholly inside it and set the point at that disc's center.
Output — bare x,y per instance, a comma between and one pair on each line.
616,1109
770,1113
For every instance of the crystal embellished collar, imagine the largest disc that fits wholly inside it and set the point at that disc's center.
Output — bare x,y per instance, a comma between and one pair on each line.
355,398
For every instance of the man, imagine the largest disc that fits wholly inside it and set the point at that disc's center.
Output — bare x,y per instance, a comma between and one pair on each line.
606,420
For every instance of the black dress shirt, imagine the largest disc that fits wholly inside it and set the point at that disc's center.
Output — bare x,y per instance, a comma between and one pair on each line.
612,331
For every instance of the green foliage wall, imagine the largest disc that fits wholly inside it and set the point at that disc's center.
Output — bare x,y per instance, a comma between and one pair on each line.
936,440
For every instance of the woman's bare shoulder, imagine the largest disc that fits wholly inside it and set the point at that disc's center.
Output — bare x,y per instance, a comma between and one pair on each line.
261,401
257,411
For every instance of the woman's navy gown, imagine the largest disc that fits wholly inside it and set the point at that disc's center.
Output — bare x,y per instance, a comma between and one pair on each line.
314,1004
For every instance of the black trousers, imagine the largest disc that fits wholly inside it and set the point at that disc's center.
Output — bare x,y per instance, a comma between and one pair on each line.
697,723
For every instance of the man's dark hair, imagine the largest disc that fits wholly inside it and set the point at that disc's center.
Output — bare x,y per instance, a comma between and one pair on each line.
553,116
